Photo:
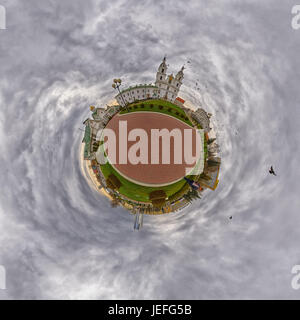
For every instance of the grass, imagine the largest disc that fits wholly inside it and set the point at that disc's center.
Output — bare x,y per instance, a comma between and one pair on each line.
161,106
137,192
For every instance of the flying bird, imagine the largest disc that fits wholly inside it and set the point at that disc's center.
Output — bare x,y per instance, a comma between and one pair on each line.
271,171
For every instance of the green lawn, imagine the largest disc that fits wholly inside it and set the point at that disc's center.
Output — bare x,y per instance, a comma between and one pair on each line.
137,192
168,108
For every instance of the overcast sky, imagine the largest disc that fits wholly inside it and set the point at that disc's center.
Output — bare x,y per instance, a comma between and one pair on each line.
61,239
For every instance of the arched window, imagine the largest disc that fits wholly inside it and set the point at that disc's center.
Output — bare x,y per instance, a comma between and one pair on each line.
162,70
160,77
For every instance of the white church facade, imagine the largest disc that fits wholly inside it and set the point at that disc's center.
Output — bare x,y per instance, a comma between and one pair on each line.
166,87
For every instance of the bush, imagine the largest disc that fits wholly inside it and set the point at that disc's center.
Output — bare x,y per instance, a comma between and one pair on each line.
113,182
160,107
151,106
142,105
135,107
177,113
170,110
179,193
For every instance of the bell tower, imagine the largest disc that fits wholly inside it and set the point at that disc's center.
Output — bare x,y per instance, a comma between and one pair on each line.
162,71
178,79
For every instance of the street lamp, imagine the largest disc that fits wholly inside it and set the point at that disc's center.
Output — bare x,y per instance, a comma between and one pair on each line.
116,85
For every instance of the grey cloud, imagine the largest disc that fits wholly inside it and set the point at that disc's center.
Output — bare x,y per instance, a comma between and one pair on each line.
60,239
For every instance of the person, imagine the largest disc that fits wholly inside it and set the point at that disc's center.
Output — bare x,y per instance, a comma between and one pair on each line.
192,183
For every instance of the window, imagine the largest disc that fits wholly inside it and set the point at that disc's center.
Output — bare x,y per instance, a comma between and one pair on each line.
177,84
160,77
162,71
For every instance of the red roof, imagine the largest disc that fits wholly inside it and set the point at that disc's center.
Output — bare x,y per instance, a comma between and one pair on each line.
180,100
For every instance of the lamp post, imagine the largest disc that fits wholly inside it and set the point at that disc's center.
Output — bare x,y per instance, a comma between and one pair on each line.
116,85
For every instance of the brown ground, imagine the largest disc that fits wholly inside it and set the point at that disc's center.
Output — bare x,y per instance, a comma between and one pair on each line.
151,174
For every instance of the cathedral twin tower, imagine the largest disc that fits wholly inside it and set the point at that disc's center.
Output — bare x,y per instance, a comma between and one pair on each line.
168,86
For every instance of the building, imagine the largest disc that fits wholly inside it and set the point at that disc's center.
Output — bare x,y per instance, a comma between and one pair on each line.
213,148
95,126
212,164
139,92
168,85
87,141
98,114
104,115
179,102
111,111
201,117
209,178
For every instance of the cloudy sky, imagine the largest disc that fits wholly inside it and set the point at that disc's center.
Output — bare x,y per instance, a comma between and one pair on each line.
60,239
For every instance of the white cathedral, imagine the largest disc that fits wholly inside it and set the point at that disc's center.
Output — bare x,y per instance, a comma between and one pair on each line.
166,87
